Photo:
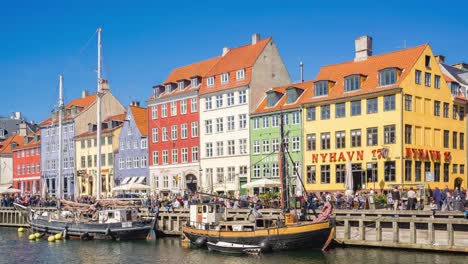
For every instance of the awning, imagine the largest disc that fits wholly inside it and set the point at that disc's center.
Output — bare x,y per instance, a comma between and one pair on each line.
141,179
262,183
126,180
131,187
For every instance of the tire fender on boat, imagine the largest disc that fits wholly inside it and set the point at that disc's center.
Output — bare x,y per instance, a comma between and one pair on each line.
265,245
201,241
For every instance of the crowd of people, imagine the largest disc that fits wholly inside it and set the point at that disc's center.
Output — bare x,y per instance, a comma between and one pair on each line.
7,200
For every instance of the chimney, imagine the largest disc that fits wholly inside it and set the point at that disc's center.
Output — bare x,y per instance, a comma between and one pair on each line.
104,85
363,48
255,38
462,66
440,58
225,50
84,94
22,129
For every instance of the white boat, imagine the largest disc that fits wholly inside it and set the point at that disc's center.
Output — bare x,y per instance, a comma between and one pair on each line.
232,248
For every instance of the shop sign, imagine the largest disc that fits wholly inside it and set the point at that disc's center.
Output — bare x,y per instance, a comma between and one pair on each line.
382,153
423,154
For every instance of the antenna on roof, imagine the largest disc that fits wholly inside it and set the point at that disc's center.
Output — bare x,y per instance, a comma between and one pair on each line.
301,66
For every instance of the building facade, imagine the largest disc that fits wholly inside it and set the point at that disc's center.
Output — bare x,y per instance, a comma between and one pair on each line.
15,124
281,105
6,159
86,152
383,120
131,159
27,164
173,114
231,90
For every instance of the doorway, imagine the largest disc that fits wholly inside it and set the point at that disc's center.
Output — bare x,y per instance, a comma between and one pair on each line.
458,183
191,181
356,169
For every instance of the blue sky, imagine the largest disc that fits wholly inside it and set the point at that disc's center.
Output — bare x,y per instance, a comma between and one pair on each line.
144,40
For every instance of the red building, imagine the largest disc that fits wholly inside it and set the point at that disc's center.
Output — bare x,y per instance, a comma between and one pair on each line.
173,116
27,164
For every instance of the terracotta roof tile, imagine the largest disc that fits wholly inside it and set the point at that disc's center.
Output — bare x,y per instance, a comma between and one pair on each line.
140,115
188,71
81,102
119,117
31,143
5,146
87,133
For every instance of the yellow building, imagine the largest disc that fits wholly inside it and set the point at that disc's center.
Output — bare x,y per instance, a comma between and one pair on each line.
86,157
382,120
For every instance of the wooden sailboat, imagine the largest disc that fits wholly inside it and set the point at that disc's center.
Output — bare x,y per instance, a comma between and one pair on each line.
268,233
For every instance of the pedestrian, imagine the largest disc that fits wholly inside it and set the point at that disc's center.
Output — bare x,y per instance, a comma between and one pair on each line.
389,200
396,198
437,198
411,194
371,199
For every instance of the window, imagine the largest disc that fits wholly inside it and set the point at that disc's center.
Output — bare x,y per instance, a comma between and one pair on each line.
224,78
143,161
427,169
266,170
389,134
310,113
129,162
296,118
256,147
256,170
372,105
208,126
208,103
417,171
436,108
437,81
194,82
372,172
340,139
243,146
194,105
183,131
82,146
243,121
164,134
462,141
256,123
462,169
325,174
266,146
387,77
408,134
243,171
311,145
155,135
136,162
240,74
340,173
455,112
230,123
175,156
325,112
209,149
219,148
173,108
325,140
427,79
285,119
455,88
210,81
274,121
389,102
230,98
352,83
166,181
181,85
296,144
121,162
356,108
462,113
311,178
275,145
266,121
446,172
174,132
446,110
242,97
274,170
219,125
194,154
455,168
408,102
417,77
231,148
219,101
183,107
436,171
454,139
408,170
427,61
389,171
340,110
231,174
184,152
220,175
446,139
356,138
321,88
164,110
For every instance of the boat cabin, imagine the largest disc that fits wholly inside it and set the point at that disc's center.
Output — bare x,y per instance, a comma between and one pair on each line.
117,216
202,216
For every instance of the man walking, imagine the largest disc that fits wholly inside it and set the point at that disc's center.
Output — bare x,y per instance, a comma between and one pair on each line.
411,199
396,197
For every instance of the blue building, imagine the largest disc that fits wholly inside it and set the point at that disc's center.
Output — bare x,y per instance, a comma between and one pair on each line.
131,160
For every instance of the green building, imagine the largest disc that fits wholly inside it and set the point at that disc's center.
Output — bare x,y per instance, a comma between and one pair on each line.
265,125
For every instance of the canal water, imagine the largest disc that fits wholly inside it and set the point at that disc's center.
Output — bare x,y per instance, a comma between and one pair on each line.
16,248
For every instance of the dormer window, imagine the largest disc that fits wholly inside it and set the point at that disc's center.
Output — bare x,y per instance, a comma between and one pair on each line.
210,81
240,74
387,76
454,88
273,98
352,83
224,78
194,82
321,88
2,133
181,85
292,94
168,88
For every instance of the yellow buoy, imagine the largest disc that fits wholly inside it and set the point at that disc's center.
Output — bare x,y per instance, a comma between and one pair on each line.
58,236
31,237
37,235
21,229
51,239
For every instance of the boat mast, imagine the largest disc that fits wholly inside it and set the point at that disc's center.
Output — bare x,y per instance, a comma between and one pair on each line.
283,171
60,106
98,119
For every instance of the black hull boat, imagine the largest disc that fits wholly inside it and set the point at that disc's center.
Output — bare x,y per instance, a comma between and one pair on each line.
231,248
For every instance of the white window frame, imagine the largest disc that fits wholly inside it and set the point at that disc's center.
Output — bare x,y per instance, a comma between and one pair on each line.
240,74
210,81
225,78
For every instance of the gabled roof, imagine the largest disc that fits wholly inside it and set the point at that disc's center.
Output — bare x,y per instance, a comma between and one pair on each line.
84,102
5,146
140,115
31,143
119,117
403,59
281,104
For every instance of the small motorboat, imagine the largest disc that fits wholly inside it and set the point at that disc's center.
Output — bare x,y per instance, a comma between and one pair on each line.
232,248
